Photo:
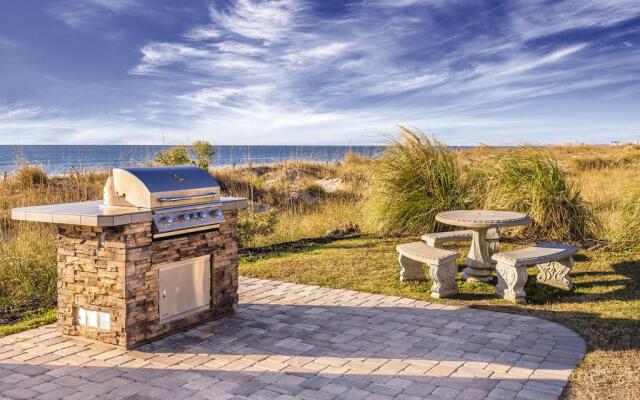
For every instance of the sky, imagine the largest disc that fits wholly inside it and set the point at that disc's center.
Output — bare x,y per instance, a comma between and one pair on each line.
318,72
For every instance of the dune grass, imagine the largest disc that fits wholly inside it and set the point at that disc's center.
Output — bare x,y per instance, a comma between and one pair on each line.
28,250
626,236
415,178
28,273
530,181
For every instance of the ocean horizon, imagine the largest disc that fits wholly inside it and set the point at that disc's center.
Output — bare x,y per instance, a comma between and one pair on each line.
60,159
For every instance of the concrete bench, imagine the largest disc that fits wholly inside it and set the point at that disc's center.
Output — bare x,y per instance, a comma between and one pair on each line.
436,239
554,261
442,267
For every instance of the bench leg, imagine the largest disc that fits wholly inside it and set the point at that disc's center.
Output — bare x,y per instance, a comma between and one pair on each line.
494,246
556,274
511,281
444,280
410,270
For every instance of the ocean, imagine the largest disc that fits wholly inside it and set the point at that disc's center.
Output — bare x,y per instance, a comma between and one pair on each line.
59,159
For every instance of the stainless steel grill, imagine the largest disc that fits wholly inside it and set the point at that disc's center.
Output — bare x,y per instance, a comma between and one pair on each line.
182,199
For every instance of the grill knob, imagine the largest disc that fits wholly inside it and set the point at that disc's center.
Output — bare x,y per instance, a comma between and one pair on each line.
200,215
215,213
183,218
166,220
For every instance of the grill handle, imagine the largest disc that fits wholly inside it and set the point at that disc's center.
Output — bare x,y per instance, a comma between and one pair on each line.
180,198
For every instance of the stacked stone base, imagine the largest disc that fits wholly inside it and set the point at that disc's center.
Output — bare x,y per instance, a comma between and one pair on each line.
115,270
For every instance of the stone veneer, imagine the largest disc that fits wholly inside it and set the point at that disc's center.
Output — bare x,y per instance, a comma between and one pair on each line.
114,270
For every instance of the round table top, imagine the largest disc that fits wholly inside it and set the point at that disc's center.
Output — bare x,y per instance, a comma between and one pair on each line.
482,218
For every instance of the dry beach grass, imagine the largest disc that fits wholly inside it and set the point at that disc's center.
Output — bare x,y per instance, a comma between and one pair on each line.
27,251
315,205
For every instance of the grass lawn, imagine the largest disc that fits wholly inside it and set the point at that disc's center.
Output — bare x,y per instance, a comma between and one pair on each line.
43,317
604,308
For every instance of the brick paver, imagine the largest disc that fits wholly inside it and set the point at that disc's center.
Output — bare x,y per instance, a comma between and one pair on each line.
297,341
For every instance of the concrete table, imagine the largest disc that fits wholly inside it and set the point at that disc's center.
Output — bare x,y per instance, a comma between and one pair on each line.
478,261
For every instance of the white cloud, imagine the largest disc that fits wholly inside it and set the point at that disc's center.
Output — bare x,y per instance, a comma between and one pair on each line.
116,5
159,54
75,14
269,21
90,14
536,18
231,97
325,51
203,32
407,3
240,48
17,112
531,62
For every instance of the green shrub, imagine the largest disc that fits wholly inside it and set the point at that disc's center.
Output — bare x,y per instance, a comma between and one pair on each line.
200,155
257,224
31,175
626,237
416,178
203,152
531,182
178,155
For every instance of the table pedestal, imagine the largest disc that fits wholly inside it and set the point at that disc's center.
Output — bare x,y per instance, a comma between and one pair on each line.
478,261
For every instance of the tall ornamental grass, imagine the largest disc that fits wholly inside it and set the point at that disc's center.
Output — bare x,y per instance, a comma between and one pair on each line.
416,178
27,249
27,271
626,236
530,181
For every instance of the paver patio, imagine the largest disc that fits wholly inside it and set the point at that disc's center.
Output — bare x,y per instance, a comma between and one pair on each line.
296,341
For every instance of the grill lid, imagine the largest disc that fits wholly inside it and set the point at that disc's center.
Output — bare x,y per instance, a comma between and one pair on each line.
153,187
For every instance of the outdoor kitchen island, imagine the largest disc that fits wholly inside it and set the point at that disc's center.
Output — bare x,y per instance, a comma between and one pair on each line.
159,254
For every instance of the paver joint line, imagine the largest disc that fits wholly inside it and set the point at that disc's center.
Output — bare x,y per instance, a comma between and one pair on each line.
306,342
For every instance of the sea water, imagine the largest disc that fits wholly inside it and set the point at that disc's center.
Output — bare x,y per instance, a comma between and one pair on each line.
59,159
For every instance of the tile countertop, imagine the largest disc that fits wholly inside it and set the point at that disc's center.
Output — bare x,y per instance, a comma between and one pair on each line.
91,213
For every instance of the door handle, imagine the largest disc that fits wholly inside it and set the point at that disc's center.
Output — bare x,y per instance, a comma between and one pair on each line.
179,198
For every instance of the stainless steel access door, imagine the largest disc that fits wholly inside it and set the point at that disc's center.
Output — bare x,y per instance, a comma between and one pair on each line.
184,287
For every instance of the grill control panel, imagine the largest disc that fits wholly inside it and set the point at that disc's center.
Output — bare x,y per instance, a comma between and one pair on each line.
186,218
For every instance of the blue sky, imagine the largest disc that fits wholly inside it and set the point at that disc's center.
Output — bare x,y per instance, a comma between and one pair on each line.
318,72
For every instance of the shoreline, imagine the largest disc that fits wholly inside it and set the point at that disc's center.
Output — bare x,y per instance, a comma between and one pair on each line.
61,160
99,170
64,166
56,159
